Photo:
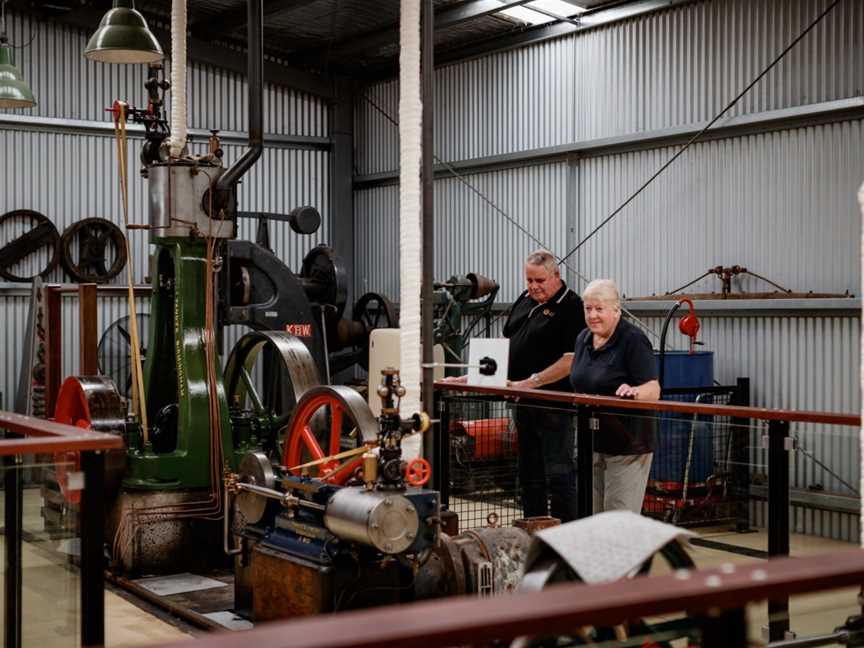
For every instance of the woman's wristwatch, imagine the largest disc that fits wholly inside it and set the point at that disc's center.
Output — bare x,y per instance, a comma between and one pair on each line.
535,378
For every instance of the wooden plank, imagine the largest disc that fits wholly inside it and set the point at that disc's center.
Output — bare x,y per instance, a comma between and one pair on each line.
569,398
87,329
54,347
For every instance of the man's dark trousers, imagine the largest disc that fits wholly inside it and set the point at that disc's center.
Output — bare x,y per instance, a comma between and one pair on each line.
546,467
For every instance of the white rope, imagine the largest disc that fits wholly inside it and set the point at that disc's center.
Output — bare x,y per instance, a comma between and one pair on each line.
860,435
177,141
410,233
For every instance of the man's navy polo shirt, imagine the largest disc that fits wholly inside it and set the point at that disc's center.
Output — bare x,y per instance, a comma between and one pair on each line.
541,333
627,357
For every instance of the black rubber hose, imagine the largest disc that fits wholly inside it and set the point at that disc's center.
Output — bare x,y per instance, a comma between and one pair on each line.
662,369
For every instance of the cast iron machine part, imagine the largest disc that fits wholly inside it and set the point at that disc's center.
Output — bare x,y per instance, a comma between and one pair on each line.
91,237
40,241
339,543
324,536
458,297
169,509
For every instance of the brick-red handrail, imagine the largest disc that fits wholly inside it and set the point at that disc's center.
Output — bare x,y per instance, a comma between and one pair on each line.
569,398
40,435
558,609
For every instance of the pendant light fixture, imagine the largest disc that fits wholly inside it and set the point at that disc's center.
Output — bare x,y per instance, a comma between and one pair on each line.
123,37
14,91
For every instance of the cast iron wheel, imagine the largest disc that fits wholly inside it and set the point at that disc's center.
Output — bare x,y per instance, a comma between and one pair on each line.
342,408
41,235
266,375
373,311
322,266
90,403
93,236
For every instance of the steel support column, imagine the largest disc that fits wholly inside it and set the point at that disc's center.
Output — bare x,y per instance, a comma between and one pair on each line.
12,530
585,462
426,313
341,223
778,517
92,549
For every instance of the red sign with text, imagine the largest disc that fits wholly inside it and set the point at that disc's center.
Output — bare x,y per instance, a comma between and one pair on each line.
300,330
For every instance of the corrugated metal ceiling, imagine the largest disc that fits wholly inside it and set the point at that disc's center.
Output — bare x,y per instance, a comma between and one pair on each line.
351,37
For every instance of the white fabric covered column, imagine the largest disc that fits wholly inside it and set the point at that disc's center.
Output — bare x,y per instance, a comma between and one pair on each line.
410,234
860,435
177,142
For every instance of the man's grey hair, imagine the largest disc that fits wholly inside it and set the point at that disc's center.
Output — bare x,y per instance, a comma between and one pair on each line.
543,258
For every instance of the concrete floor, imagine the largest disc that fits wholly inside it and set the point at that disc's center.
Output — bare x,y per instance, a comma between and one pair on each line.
52,609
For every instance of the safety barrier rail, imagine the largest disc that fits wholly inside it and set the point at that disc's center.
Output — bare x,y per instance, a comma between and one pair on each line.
714,600
26,436
774,440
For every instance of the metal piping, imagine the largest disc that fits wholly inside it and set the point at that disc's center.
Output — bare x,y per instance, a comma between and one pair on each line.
256,99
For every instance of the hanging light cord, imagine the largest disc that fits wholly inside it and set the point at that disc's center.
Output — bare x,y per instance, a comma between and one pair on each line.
693,139
4,38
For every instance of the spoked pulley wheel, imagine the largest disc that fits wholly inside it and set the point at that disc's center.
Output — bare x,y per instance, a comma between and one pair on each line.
90,403
343,410
266,374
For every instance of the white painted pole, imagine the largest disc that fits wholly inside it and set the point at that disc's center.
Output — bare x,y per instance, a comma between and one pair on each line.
860,435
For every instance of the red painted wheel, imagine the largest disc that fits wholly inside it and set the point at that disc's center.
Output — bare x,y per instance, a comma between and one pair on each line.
90,403
307,439
418,472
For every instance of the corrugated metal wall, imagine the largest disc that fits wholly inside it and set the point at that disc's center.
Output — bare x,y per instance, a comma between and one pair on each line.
471,235
782,203
669,68
69,176
68,86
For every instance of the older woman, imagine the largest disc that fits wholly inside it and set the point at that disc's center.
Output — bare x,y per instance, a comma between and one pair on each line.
614,358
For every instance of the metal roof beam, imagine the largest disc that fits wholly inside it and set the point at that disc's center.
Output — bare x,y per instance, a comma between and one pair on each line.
229,22
587,20
390,35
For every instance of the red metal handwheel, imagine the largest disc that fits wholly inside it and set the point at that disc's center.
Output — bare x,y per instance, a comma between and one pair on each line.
418,472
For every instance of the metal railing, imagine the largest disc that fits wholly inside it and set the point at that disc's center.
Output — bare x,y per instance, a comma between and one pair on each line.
585,408
27,435
714,600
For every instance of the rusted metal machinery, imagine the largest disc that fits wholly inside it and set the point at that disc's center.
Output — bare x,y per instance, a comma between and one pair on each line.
362,531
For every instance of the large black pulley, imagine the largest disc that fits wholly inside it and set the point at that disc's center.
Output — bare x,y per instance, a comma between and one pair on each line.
324,279
373,311
35,248
97,240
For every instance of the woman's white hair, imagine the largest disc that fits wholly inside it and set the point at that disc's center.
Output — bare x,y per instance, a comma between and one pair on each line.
603,290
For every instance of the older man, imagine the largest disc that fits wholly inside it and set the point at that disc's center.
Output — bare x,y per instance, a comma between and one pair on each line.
542,327
543,324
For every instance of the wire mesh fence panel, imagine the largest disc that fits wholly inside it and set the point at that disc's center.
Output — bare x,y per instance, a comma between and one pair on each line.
482,451
700,474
